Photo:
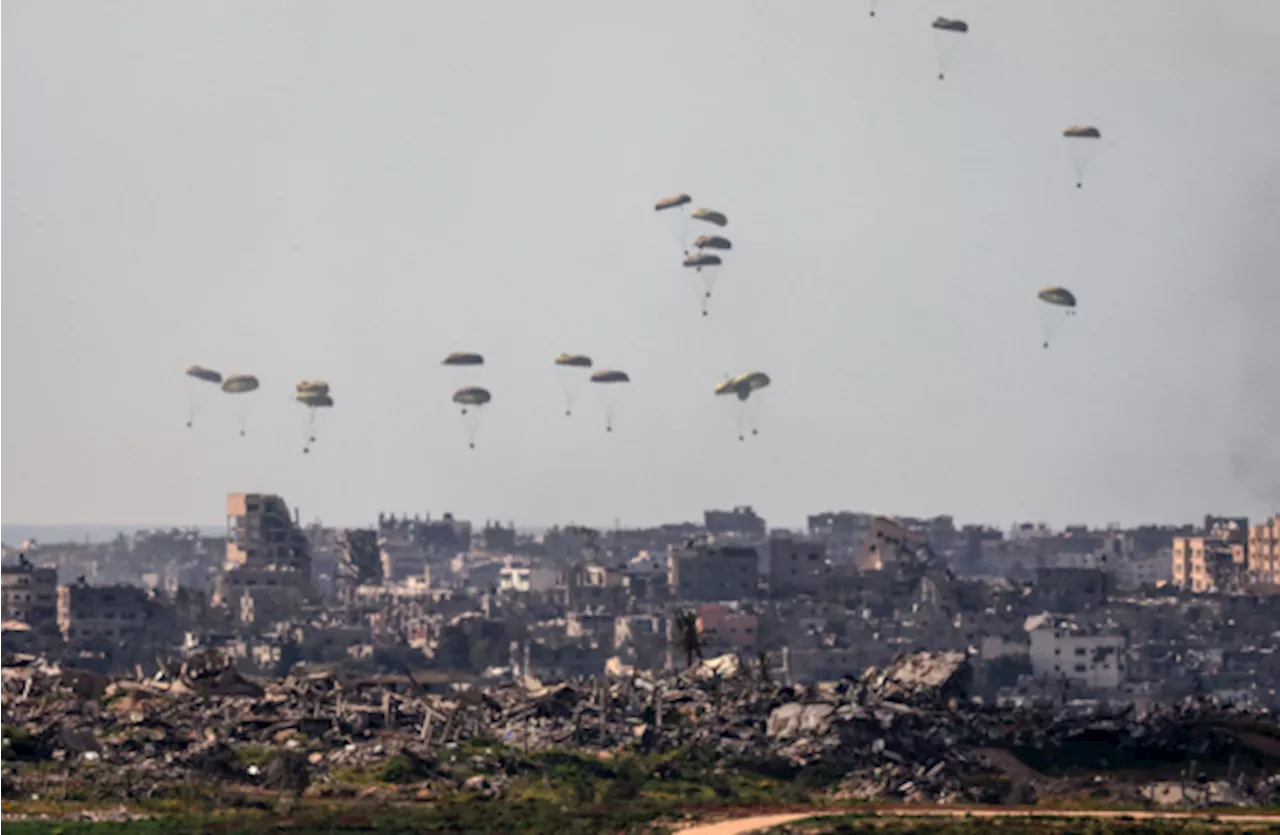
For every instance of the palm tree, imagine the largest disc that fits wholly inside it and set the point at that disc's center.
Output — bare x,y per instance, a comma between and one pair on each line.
688,639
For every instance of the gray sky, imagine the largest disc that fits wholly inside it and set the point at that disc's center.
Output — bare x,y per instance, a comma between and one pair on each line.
348,191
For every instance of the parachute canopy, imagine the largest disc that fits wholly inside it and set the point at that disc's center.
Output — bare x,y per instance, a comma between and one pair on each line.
206,374
1058,296
948,25
743,384
315,400
316,387
1082,132
710,216
463,358
703,259
712,242
610,377
472,396
574,360
672,202
240,384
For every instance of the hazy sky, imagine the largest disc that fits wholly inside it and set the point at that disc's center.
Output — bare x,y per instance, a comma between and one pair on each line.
348,191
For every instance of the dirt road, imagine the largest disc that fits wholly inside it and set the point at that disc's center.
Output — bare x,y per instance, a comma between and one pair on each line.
741,826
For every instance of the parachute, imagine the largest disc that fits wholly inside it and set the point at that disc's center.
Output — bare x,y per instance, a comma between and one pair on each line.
677,216
196,393
707,266
1082,141
241,384
712,242
315,396
675,201
571,368
463,358
946,37
742,387
206,374
610,393
873,4
710,216
1060,303
471,399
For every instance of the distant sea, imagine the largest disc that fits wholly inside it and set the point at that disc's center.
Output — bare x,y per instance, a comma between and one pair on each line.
14,535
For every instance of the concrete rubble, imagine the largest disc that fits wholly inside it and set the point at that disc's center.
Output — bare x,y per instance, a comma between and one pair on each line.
907,731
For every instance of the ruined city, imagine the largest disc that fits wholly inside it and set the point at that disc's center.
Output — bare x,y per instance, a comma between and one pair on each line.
641,418
907,659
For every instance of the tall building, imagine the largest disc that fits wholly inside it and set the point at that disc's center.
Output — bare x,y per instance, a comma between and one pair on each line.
1215,561
267,572
88,614
724,572
741,521
359,560
1264,552
30,593
887,543
797,566
261,531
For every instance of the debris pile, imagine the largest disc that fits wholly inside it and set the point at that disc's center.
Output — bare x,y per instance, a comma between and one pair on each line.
907,732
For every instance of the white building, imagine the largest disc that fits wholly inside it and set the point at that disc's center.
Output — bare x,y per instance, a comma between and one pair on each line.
523,578
1060,650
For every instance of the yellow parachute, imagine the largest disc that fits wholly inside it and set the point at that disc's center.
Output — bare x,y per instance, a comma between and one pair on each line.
314,394
712,242
677,217
710,216
742,387
571,368
675,201
574,360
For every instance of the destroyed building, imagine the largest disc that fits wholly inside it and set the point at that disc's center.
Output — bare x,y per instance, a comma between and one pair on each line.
1063,651
267,571
886,543
498,538
797,566
30,593
401,557
359,559
91,614
714,572
741,521
1216,560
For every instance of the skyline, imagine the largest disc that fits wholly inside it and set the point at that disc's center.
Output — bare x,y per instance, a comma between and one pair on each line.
348,194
